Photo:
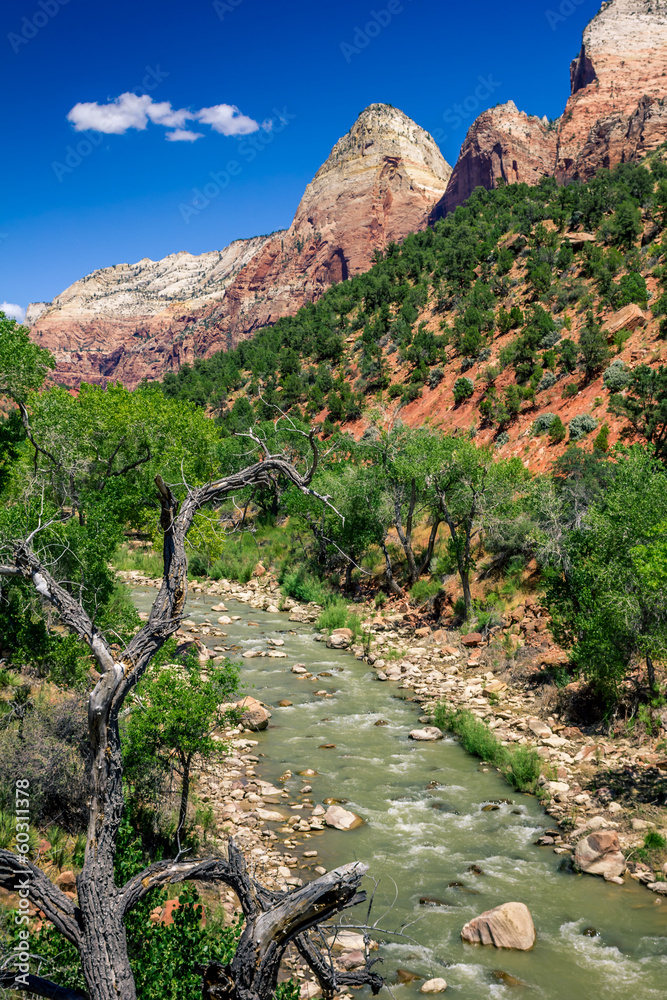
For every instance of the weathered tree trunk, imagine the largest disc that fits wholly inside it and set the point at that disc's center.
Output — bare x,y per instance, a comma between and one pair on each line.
96,925
431,546
650,669
405,534
389,573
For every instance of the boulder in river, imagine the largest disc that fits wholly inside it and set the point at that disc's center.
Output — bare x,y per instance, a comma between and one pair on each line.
433,986
340,638
507,926
429,734
600,854
342,819
255,716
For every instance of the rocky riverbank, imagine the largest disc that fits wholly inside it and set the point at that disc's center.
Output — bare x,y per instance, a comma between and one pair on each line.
604,793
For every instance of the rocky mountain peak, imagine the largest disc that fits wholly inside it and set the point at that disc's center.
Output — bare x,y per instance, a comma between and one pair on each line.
383,131
129,321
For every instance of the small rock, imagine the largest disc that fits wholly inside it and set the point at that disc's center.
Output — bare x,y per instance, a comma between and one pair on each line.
66,881
472,640
255,716
600,854
284,703
405,976
309,990
340,638
342,819
507,926
429,734
434,986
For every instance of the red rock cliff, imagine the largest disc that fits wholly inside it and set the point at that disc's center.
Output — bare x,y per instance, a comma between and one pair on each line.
380,183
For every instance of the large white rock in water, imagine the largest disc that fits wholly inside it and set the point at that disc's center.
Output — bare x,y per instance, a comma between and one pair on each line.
341,819
429,734
600,854
506,926
434,986
255,716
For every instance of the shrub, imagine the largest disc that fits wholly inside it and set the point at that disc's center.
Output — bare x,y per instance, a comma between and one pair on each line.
570,391
557,431
424,590
301,586
616,376
547,381
543,423
581,425
654,841
502,439
549,340
463,389
519,765
51,752
435,377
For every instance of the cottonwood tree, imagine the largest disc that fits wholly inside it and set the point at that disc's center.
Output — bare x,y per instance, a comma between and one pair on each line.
94,922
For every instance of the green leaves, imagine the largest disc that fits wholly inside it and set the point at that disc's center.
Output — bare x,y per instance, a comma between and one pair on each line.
23,365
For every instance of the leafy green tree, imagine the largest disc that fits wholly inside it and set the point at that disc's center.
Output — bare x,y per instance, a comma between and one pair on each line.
644,404
469,490
608,597
626,224
593,346
173,721
23,365
557,431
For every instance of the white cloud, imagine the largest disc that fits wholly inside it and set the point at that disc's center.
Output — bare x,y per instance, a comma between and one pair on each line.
13,311
227,119
183,135
132,111
162,113
114,118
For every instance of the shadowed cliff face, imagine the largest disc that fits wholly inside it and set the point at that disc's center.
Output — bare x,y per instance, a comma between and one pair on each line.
131,321
617,111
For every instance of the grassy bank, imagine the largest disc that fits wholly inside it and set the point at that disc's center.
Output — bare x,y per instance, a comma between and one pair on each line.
520,766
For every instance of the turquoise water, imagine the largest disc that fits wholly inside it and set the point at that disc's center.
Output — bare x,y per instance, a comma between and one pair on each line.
421,839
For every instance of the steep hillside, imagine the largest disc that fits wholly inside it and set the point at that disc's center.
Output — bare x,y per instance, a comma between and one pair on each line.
617,111
141,320
505,316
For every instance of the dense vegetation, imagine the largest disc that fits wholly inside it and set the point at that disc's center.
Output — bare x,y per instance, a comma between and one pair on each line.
409,509
443,297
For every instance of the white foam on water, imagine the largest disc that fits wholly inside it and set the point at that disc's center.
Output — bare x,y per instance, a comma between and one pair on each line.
616,974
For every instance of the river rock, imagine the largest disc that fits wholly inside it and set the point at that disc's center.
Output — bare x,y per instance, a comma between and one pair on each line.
507,926
660,887
349,941
340,638
255,716
600,854
219,607
433,986
353,960
539,728
341,819
224,620
270,816
429,734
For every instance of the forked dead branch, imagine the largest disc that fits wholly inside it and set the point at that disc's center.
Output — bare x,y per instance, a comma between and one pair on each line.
94,924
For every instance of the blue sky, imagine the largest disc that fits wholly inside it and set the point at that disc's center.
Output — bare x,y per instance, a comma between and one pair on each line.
302,67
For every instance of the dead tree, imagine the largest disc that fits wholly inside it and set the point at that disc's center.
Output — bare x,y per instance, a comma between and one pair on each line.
95,923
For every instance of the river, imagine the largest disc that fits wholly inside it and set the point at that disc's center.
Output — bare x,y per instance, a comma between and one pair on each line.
427,833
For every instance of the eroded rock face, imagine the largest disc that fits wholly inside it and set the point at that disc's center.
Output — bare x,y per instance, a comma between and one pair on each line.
616,113
506,926
379,184
503,143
